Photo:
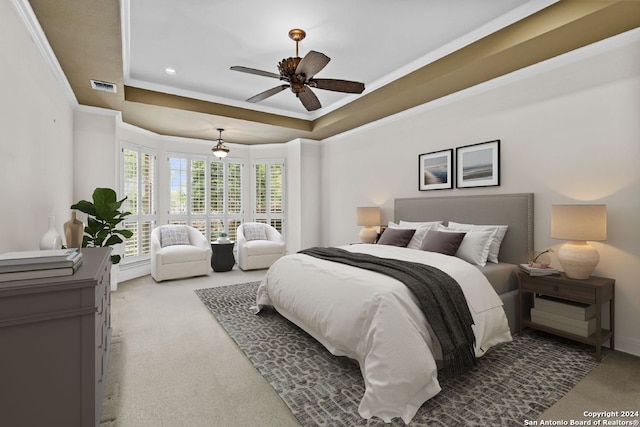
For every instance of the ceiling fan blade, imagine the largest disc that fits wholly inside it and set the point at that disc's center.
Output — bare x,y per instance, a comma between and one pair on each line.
267,93
312,63
309,99
254,71
337,85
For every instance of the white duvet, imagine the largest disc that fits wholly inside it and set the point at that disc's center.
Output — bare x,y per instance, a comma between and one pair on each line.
375,320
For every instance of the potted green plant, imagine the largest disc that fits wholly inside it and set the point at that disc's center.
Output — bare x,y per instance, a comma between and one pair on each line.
104,216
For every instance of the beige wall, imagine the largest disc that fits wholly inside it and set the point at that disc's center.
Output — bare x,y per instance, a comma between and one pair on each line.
569,133
36,147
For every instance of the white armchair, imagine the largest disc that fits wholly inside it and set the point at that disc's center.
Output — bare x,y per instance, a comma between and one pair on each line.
259,245
179,251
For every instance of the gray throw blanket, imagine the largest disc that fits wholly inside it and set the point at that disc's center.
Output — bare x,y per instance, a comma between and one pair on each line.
439,295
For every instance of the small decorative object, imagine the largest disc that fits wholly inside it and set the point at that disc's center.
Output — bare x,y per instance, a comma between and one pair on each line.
478,165
51,239
435,170
73,230
223,237
540,259
104,216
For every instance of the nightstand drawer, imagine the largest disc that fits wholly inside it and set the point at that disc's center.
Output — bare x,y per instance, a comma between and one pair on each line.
570,291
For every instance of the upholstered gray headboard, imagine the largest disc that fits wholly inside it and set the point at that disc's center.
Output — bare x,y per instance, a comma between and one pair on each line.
514,210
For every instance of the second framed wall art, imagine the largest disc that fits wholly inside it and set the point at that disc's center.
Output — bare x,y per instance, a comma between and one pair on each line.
476,165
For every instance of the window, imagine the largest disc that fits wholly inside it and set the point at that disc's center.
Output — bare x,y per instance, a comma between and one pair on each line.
206,193
268,194
137,180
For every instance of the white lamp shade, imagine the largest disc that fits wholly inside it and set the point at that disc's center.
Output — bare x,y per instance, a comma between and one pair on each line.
579,222
368,216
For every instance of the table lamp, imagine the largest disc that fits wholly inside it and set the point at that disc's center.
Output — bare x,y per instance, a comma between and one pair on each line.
369,218
578,223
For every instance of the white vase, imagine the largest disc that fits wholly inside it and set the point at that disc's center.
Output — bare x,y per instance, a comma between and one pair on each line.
51,239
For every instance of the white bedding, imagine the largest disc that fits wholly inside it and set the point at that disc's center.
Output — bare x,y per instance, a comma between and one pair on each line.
375,320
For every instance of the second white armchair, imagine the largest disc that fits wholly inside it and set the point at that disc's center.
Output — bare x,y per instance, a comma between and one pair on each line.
259,245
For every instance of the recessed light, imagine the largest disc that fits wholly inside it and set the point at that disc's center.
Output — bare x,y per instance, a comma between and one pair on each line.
170,71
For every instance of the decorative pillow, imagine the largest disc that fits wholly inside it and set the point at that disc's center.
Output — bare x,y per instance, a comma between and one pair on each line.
412,224
174,235
421,230
396,237
475,246
442,242
254,231
497,240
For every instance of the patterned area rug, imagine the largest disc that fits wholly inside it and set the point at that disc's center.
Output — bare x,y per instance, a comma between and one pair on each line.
513,381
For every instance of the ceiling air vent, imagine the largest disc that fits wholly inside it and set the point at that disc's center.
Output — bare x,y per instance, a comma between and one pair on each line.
103,86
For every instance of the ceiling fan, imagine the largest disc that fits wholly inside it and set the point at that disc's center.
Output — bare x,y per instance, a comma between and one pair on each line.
298,73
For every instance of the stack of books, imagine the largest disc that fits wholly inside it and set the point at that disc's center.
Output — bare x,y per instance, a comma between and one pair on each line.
23,265
573,317
538,271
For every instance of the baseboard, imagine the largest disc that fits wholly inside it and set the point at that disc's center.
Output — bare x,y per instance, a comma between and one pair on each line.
133,271
627,345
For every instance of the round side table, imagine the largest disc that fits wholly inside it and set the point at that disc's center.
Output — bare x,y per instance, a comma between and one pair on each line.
222,258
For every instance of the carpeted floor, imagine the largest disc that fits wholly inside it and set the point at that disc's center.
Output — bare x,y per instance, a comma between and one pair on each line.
514,382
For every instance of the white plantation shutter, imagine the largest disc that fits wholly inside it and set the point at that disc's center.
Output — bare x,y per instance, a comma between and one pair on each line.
198,186
233,196
206,193
138,181
178,186
216,196
268,192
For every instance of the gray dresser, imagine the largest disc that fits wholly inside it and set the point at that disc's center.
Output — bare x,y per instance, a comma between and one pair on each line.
55,335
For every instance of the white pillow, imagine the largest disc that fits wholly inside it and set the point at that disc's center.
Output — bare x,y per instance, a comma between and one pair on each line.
254,231
419,224
174,235
475,246
497,239
421,231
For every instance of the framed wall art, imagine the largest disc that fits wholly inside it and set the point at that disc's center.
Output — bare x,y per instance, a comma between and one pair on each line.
478,165
435,170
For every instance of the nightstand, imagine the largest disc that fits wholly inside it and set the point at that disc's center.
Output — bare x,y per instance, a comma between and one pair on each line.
594,290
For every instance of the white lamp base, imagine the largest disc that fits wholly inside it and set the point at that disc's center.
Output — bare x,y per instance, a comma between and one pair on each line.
368,234
578,259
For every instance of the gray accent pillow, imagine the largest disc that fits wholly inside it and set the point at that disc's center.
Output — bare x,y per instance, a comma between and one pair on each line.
254,231
442,242
174,235
396,237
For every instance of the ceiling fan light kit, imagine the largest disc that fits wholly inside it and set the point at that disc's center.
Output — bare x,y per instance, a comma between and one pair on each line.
298,73
220,150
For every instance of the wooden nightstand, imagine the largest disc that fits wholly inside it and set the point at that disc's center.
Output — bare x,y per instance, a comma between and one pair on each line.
594,290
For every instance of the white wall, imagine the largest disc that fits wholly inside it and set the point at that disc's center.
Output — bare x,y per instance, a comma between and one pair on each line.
36,152
303,190
569,131
95,154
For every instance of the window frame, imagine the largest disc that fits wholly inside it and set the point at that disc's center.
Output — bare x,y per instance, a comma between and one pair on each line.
210,230
269,216
137,217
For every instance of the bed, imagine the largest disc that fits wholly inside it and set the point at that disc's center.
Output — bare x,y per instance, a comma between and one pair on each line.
376,320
